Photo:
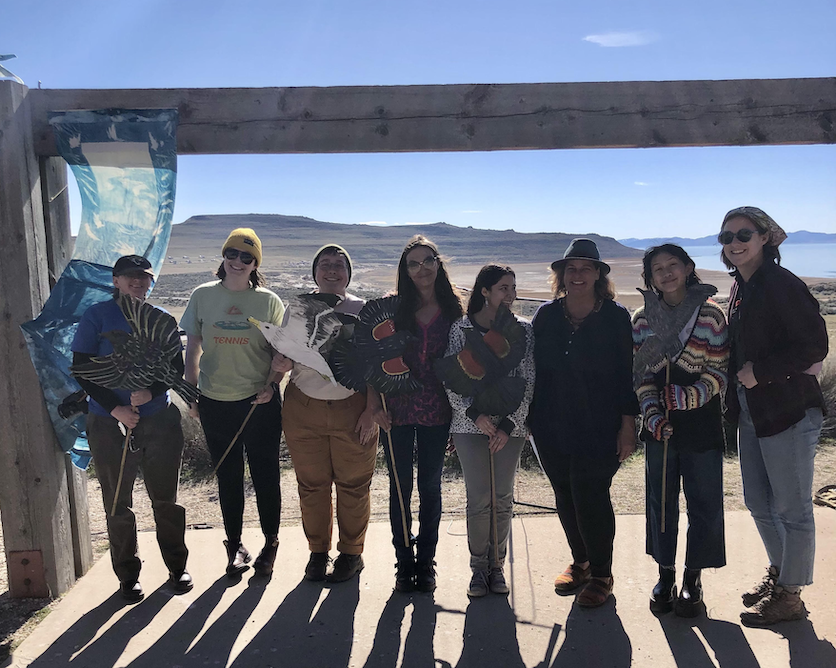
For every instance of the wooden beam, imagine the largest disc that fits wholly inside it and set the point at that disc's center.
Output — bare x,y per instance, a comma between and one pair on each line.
33,482
480,117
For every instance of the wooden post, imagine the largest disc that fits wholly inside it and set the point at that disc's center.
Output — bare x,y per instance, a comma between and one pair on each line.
34,500
59,243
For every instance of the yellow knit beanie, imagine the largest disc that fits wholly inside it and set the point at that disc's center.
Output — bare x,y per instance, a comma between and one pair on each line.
245,240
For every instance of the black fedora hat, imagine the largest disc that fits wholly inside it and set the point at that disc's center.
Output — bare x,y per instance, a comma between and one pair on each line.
582,249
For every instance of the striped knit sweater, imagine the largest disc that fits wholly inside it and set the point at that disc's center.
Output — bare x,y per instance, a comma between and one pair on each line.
705,357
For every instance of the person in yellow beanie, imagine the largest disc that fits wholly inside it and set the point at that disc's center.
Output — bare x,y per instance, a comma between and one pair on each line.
229,359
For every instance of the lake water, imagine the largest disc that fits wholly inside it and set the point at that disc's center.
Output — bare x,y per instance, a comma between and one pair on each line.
810,260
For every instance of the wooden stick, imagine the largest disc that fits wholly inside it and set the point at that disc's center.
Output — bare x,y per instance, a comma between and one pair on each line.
407,543
665,441
493,514
121,470
241,428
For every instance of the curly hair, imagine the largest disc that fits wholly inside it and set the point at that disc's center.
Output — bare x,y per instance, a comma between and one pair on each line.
448,299
671,249
488,276
604,287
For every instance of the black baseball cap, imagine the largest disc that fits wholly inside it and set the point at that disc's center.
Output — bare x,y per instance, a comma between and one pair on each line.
130,264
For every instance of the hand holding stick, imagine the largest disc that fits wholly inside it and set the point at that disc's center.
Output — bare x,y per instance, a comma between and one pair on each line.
406,541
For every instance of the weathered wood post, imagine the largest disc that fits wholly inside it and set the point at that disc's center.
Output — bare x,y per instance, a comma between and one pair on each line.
34,502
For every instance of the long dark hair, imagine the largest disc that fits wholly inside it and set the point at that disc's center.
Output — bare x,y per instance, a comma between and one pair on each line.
448,299
604,287
672,249
488,276
256,277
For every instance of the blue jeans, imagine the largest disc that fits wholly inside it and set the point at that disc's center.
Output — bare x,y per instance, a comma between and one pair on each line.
701,474
430,444
778,490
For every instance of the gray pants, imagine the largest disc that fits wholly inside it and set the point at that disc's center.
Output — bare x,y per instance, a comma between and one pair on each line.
475,459
158,443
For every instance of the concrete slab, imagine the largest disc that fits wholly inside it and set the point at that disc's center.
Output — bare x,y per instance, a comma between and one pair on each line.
362,623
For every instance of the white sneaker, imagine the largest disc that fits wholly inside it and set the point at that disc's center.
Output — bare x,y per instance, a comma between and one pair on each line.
496,581
478,585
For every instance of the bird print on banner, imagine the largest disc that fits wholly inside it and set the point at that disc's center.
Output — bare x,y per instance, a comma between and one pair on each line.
142,356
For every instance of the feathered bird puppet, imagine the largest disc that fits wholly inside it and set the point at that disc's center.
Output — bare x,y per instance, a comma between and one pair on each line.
374,354
480,370
308,331
140,357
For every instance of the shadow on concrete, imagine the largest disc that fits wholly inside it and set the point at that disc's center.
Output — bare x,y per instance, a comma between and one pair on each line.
806,648
490,635
108,647
594,638
418,649
730,647
215,645
301,634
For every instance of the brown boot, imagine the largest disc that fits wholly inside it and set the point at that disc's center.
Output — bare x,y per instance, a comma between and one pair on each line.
237,558
780,606
761,590
263,565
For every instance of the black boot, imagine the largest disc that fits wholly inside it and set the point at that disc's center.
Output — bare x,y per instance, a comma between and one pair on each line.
264,561
405,575
425,576
237,558
689,603
664,593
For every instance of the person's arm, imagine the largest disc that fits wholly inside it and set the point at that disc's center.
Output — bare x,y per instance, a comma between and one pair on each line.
370,418
650,404
194,349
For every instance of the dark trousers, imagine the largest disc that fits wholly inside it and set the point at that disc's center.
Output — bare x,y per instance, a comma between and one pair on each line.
702,479
430,444
157,449
582,494
260,440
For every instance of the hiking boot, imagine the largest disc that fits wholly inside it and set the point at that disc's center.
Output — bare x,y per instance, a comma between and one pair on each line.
317,566
496,581
238,557
479,584
263,565
780,606
573,577
425,576
131,591
405,576
761,590
664,593
346,566
689,603
181,582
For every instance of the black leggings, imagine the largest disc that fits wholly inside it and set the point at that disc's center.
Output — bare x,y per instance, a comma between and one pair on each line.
260,439
582,493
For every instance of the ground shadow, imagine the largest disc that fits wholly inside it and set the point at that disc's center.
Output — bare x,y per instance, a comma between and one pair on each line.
490,635
108,647
418,651
216,643
302,635
806,648
726,639
595,638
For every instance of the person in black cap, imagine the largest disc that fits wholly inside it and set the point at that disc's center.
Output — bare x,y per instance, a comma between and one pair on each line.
583,412
156,444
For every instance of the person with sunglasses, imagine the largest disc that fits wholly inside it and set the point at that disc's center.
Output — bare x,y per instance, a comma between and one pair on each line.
229,360
778,341
420,420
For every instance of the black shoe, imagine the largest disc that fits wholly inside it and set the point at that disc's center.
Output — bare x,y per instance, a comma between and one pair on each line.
663,596
425,576
131,591
317,566
689,603
238,558
405,576
181,582
346,566
263,565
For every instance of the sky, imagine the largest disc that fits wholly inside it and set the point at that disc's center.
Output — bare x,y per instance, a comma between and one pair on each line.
616,192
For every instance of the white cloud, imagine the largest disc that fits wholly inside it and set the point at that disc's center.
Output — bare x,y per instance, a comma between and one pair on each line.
373,222
617,39
640,183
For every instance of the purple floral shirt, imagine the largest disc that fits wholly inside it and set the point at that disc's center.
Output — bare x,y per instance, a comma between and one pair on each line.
427,406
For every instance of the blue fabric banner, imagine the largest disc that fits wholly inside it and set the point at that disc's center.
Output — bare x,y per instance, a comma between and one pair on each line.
125,163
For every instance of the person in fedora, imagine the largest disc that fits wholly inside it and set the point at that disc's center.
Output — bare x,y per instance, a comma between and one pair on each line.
583,413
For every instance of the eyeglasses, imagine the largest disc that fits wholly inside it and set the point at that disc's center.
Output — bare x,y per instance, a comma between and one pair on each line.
243,256
429,262
728,236
331,266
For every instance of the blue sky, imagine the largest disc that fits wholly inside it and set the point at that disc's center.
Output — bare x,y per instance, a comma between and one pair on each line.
622,193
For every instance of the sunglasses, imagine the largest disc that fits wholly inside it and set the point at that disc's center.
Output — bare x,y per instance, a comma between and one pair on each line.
743,236
428,262
243,256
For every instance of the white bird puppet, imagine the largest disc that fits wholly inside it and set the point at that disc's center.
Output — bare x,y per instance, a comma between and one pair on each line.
6,74
308,330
